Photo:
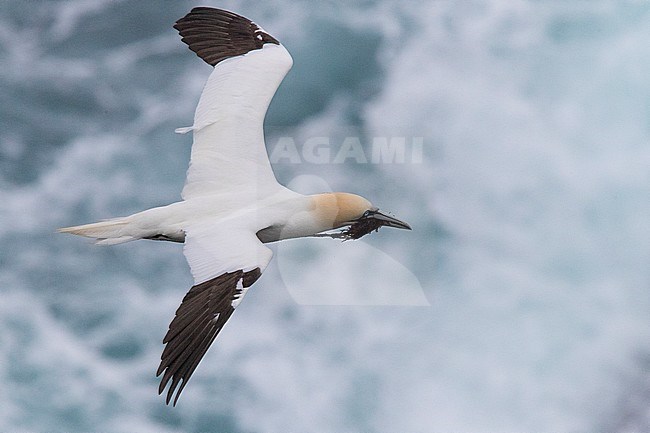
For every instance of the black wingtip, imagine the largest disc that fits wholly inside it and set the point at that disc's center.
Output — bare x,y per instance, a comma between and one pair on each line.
217,34
202,314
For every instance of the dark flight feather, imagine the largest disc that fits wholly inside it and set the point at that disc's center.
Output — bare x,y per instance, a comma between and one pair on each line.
215,34
204,311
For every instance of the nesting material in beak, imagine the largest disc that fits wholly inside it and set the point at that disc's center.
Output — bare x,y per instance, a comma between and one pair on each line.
368,223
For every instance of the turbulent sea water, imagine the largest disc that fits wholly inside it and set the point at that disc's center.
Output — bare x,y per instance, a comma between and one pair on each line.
530,208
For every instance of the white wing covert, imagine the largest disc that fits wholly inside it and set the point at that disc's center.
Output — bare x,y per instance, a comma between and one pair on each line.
228,155
229,151
225,262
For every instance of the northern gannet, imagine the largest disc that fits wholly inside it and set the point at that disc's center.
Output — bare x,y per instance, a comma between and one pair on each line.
231,203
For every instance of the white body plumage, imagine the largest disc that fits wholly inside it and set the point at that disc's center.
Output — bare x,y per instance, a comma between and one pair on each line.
231,202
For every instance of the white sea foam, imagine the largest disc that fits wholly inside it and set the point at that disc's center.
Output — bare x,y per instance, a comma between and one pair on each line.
529,212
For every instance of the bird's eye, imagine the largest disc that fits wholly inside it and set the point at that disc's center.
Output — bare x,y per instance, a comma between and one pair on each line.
366,214
259,37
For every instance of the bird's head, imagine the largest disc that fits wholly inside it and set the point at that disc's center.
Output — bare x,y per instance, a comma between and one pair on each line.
355,214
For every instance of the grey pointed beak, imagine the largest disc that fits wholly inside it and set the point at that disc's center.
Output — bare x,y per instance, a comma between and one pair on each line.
389,221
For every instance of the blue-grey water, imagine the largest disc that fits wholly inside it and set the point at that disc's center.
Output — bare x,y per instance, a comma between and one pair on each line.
530,207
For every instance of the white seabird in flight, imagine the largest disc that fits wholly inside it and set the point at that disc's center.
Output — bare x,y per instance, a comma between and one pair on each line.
231,202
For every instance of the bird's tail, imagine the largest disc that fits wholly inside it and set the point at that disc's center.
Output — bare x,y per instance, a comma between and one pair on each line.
108,232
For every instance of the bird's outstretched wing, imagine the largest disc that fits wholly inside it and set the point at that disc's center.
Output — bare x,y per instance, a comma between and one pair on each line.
249,64
225,262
